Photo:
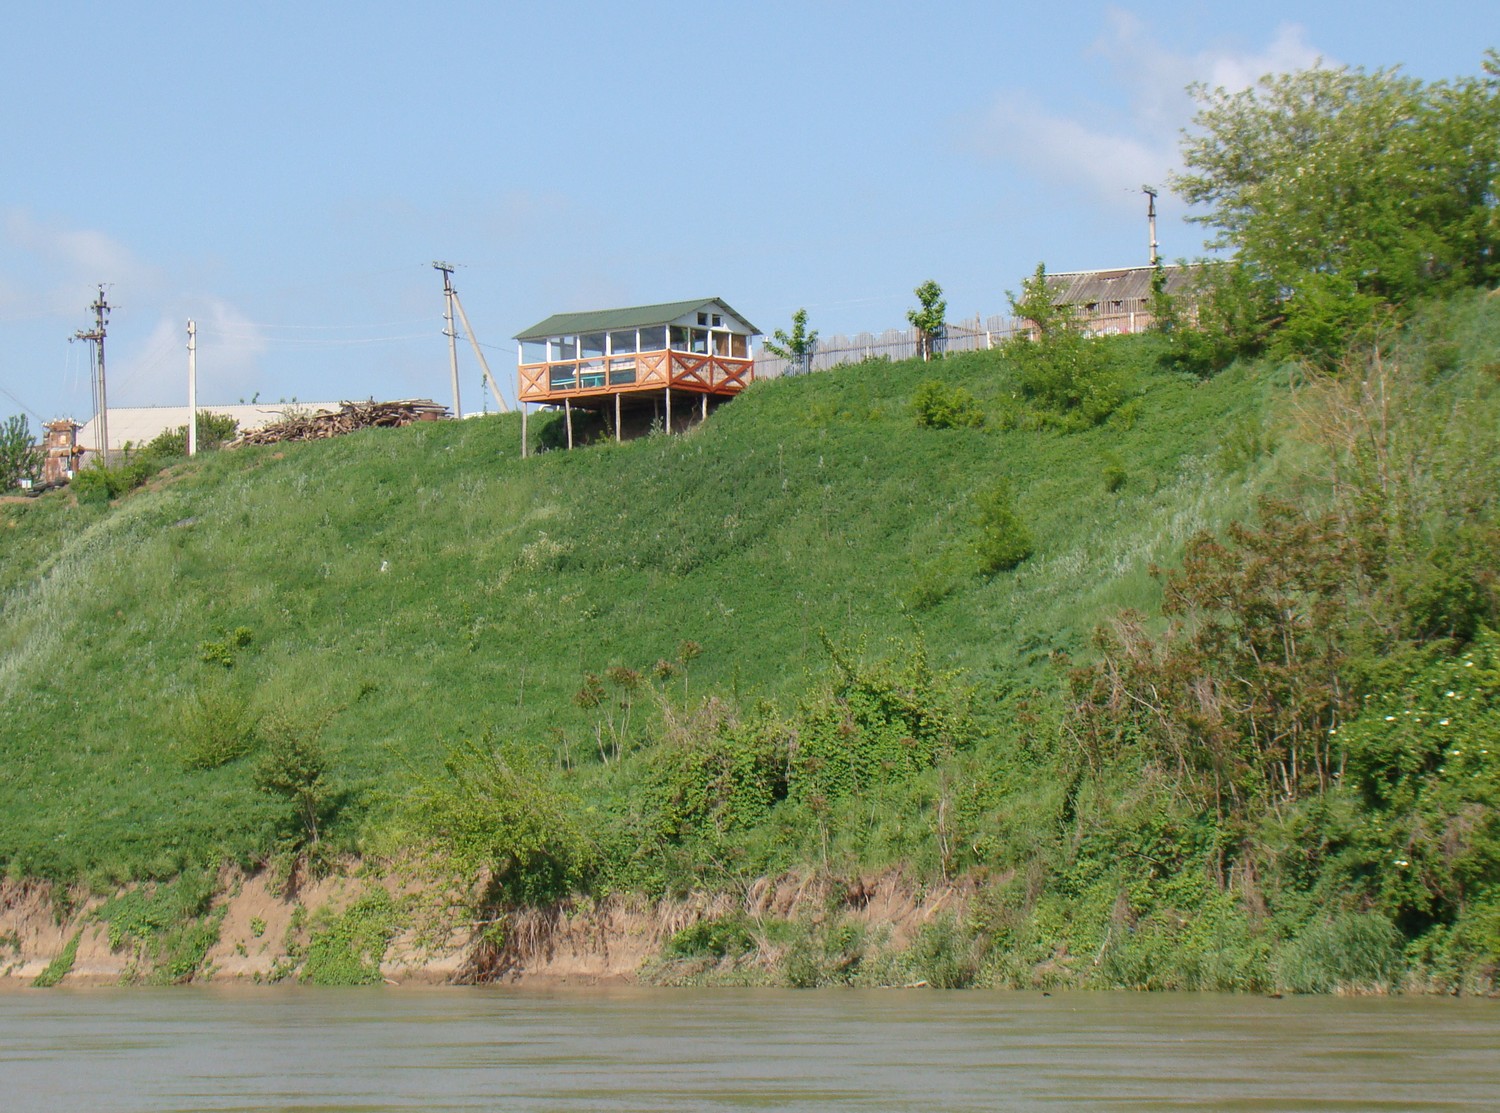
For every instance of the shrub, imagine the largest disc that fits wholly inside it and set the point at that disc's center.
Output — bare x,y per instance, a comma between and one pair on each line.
294,766
723,938
939,406
943,955
214,727
1004,540
348,949
489,819
1344,951
213,431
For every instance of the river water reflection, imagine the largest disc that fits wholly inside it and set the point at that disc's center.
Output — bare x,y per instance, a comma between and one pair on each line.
640,1049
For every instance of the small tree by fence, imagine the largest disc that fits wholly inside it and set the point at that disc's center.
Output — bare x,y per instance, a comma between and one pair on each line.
975,334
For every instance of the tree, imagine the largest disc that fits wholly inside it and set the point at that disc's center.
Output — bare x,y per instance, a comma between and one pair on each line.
1384,180
19,457
929,320
294,766
797,349
1065,374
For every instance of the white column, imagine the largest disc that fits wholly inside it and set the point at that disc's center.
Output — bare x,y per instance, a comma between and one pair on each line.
192,429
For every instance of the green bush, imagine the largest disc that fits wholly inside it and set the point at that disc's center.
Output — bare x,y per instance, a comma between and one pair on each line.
943,955
728,937
1004,541
936,405
214,727
1352,951
348,948
490,818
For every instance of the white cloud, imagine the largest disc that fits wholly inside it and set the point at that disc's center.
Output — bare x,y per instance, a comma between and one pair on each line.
1112,152
50,272
48,266
153,370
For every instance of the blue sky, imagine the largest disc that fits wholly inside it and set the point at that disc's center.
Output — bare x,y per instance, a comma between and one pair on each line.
286,173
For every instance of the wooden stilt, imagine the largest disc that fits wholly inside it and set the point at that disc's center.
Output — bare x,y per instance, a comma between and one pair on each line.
568,418
617,419
669,409
705,407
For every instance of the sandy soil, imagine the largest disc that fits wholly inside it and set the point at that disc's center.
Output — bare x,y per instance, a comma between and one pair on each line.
580,943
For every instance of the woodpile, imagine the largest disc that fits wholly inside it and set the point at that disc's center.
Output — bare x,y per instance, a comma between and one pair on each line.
350,417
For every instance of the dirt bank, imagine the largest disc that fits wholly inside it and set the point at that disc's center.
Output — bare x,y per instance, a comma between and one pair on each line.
261,931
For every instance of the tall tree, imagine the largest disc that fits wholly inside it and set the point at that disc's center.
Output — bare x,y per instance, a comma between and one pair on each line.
1382,180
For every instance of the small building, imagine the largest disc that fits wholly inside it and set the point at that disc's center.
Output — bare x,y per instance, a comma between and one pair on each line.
61,450
1116,301
134,426
632,366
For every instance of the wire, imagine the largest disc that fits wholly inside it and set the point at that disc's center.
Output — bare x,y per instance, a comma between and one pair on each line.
313,342
22,404
373,324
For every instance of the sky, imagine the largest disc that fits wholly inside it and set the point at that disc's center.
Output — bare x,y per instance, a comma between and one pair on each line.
286,174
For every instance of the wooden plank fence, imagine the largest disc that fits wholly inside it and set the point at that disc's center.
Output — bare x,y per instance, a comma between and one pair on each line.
974,334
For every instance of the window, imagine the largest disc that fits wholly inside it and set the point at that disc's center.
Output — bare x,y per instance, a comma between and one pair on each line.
700,341
563,347
703,319
680,338
533,351
654,339
622,343
592,344
721,343
718,321
739,346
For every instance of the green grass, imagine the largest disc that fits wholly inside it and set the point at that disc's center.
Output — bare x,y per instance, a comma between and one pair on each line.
418,585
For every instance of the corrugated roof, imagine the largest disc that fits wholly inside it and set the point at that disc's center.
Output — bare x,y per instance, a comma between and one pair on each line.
635,316
1121,284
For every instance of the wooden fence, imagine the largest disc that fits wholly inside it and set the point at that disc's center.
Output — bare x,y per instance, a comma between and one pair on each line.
974,334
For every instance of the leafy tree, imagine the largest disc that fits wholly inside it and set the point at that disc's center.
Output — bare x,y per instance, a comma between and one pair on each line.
19,457
930,320
1064,373
1381,179
797,349
294,766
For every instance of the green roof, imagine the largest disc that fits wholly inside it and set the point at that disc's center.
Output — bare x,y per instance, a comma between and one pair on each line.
636,316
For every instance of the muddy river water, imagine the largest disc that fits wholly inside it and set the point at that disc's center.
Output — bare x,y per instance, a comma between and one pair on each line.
643,1049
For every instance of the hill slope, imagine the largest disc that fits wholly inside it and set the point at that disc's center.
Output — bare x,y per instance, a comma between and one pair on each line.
393,592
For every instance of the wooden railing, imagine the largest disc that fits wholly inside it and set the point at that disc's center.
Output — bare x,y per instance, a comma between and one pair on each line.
583,378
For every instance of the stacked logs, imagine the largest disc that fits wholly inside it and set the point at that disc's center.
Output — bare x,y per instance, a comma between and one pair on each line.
349,418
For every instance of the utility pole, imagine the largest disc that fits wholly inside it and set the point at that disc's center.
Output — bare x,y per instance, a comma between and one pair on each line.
95,335
479,355
449,331
1150,193
192,445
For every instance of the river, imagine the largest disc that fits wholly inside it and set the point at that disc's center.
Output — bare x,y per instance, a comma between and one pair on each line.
644,1049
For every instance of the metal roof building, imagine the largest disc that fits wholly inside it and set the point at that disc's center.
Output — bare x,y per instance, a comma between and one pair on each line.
136,425
1118,300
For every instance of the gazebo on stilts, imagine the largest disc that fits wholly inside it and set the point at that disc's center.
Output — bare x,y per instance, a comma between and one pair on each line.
642,368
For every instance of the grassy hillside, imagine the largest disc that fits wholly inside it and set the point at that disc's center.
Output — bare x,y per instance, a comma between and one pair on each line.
423,584
805,561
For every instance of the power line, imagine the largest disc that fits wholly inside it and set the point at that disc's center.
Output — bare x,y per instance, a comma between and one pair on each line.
22,404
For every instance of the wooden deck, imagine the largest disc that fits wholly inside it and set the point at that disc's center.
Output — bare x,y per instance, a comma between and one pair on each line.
602,377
